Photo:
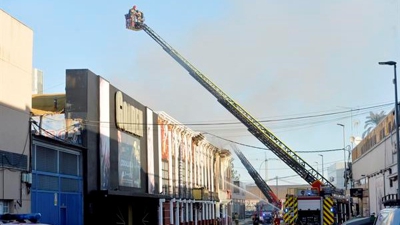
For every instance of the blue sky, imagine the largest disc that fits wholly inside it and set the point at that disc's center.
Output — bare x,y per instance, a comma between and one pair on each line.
278,59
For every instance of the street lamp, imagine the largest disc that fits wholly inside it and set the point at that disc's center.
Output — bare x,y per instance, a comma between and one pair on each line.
276,184
266,169
322,156
259,169
269,159
344,152
344,145
266,166
396,107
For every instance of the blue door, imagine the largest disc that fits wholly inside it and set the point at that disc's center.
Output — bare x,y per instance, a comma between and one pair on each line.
57,185
58,208
43,202
68,205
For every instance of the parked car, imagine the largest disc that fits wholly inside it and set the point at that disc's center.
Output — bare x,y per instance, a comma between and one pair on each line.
248,214
361,221
388,216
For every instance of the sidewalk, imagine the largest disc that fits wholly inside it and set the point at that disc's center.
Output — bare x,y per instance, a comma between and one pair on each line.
247,221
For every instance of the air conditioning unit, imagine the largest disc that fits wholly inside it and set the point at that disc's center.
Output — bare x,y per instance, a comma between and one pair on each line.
26,178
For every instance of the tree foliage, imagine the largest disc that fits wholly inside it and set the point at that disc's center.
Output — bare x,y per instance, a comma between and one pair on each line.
373,119
234,173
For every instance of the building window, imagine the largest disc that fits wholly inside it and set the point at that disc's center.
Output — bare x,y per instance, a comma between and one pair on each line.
236,187
4,207
382,134
391,183
173,178
165,178
183,173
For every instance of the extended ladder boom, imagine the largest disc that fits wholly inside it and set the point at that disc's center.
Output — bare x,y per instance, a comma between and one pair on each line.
261,184
301,167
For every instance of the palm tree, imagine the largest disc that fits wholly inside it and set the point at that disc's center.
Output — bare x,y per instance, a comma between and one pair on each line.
372,121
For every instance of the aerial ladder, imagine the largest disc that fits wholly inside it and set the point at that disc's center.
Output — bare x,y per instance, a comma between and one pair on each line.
135,22
261,184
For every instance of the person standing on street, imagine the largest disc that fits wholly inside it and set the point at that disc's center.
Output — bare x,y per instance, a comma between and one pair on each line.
236,218
255,219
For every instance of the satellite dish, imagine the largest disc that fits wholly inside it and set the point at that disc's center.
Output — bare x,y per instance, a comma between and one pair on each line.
355,140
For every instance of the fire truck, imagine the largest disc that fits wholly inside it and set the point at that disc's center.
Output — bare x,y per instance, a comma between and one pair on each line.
327,192
309,206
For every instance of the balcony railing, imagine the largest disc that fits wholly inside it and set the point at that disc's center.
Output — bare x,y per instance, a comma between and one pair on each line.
391,200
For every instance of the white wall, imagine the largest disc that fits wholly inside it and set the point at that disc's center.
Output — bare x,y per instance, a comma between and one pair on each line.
336,172
16,47
373,166
377,158
37,81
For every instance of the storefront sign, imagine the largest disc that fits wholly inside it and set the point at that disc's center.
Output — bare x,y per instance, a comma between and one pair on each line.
356,192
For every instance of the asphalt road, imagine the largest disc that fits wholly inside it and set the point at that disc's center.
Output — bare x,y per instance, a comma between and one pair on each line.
246,222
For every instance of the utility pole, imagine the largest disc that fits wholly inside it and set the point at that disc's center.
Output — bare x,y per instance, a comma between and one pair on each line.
396,107
322,156
344,154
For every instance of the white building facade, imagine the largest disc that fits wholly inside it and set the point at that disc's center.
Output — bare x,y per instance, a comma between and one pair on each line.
16,49
375,166
335,174
37,81
194,173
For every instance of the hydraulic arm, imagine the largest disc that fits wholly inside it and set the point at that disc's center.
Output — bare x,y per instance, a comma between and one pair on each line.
280,149
261,184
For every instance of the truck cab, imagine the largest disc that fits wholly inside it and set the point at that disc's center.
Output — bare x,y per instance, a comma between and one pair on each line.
267,217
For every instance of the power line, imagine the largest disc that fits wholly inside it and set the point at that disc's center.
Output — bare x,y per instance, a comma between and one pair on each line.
90,122
262,148
266,120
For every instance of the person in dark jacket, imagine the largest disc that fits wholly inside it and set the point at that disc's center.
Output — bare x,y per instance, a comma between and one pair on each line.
255,219
236,218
